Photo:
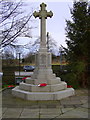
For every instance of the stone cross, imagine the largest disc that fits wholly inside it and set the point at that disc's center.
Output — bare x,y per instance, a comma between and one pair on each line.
43,14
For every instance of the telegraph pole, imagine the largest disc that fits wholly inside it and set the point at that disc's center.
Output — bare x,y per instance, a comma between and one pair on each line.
48,41
60,50
19,62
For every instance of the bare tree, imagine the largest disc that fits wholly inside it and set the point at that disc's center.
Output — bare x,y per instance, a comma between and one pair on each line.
13,22
51,43
7,54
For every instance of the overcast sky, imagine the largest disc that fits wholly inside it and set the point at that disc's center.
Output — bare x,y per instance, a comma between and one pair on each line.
55,25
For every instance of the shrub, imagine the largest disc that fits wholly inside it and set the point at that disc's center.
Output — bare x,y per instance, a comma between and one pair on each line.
8,78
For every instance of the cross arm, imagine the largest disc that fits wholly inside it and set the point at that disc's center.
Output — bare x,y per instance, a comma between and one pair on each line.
36,14
49,14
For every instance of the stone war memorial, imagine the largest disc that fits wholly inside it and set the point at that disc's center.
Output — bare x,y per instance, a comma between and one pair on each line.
53,88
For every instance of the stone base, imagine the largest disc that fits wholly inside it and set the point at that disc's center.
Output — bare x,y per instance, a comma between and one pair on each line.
48,88
55,89
42,95
51,81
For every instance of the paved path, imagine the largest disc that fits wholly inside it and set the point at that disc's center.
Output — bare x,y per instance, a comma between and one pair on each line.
71,107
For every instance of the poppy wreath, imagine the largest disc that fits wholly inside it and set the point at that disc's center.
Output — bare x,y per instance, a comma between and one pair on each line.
11,86
42,84
25,77
69,86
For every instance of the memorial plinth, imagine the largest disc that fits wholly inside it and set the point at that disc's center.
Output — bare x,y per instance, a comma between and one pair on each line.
55,89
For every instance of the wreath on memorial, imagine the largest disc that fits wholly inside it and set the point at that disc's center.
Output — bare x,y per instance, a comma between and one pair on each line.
25,77
42,85
69,86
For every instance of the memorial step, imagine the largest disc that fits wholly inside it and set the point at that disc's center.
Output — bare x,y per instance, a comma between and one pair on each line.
55,80
48,88
42,95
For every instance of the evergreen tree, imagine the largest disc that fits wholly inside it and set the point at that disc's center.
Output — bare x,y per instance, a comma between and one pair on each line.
78,36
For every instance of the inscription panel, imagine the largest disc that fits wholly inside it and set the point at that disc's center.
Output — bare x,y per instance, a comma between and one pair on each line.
43,60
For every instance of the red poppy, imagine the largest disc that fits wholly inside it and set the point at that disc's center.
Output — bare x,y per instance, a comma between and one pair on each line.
69,86
42,84
25,77
10,86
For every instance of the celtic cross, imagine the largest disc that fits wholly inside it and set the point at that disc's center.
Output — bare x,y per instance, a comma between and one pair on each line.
43,14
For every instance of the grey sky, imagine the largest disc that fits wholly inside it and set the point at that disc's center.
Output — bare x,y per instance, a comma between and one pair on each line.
55,25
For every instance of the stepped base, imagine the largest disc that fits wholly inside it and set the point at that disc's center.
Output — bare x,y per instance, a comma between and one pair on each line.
42,95
48,88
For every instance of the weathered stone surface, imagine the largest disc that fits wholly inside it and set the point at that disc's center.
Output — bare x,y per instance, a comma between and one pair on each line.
48,88
44,109
43,95
30,113
29,80
75,113
12,113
